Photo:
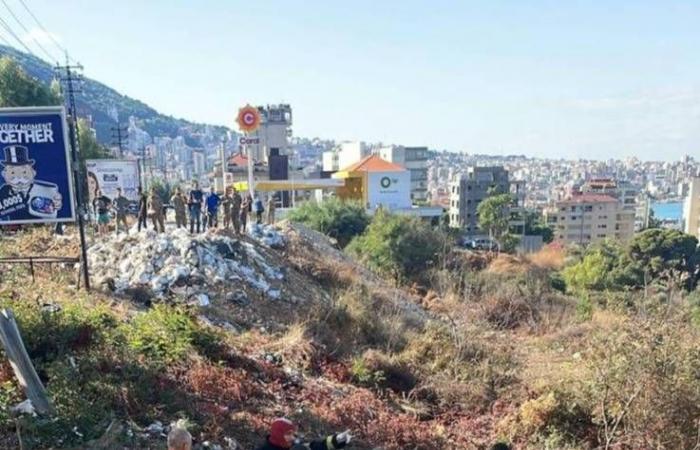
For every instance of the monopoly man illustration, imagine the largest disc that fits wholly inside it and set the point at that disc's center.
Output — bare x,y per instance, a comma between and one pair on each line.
22,196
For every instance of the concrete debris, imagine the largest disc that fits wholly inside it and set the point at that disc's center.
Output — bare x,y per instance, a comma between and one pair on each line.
182,264
24,407
155,428
266,235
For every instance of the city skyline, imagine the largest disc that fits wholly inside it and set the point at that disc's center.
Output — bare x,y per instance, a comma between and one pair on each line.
540,79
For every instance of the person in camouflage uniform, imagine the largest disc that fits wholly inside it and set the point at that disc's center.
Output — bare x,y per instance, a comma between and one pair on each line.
227,202
121,206
236,202
155,211
180,205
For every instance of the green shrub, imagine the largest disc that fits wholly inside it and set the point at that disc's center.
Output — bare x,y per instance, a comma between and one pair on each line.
163,334
584,309
400,246
341,220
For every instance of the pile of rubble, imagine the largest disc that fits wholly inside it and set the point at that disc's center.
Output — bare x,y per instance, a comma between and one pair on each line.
176,262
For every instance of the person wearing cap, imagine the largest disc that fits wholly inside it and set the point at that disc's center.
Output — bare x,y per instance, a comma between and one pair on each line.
194,203
283,437
19,175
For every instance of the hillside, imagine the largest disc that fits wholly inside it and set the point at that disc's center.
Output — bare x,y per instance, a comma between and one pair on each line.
232,331
98,101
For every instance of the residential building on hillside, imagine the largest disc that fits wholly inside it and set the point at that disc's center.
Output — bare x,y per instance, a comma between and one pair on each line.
471,187
691,209
415,160
587,218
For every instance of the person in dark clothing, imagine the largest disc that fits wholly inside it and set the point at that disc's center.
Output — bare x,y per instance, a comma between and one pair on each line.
283,437
259,210
143,210
245,209
194,203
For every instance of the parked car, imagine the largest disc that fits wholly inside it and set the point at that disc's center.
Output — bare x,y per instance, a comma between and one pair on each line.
481,244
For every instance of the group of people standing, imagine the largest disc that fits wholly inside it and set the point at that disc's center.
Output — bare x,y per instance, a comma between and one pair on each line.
202,209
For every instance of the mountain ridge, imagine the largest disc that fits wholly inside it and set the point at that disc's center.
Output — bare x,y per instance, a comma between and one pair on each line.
98,100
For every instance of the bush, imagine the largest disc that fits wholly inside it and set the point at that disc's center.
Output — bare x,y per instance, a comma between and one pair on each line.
399,246
166,335
341,220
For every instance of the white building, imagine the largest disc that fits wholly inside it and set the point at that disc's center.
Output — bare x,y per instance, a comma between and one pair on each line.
415,160
351,152
691,209
198,163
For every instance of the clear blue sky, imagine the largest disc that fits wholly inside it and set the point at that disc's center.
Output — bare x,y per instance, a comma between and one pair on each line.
549,78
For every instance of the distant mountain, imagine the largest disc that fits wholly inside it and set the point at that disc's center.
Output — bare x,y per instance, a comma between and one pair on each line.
99,100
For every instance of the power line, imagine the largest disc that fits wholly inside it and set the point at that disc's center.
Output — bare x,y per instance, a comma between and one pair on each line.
12,33
50,57
42,28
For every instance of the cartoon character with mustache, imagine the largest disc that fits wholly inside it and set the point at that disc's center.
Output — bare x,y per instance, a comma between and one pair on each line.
19,175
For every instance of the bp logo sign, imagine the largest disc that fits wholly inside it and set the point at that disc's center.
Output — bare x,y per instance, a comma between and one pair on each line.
385,182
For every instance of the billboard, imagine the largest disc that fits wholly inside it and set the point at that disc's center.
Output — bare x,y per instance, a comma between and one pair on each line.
389,189
35,179
109,174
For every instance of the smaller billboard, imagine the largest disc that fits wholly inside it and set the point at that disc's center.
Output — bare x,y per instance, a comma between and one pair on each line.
107,175
392,190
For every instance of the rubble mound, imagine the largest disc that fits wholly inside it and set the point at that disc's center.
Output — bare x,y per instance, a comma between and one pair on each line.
171,262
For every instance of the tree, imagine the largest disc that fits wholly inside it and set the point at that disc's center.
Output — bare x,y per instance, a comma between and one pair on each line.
17,88
341,220
399,246
596,269
88,145
494,214
662,253
535,227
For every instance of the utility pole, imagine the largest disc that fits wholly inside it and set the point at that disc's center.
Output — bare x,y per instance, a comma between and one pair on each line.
67,76
119,137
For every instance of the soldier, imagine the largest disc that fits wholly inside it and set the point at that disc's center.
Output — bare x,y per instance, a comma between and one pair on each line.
236,211
179,203
271,210
143,209
226,203
121,206
155,211
245,209
195,201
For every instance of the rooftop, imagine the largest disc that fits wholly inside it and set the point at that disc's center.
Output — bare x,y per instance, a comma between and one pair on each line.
373,163
590,198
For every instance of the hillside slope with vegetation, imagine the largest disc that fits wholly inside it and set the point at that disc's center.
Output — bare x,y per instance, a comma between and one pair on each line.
400,337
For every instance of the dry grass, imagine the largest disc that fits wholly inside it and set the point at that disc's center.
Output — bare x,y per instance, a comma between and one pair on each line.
549,258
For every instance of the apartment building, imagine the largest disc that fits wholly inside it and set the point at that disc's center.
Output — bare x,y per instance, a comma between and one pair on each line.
415,160
691,209
588,218
471,187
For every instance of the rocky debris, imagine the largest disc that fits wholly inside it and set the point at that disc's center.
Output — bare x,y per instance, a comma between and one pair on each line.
24,407
266,235
179,263
238,297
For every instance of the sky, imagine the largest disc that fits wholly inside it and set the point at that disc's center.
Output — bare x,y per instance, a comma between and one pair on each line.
573,79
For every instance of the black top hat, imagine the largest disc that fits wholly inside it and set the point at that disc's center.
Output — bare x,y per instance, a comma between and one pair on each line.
16,155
